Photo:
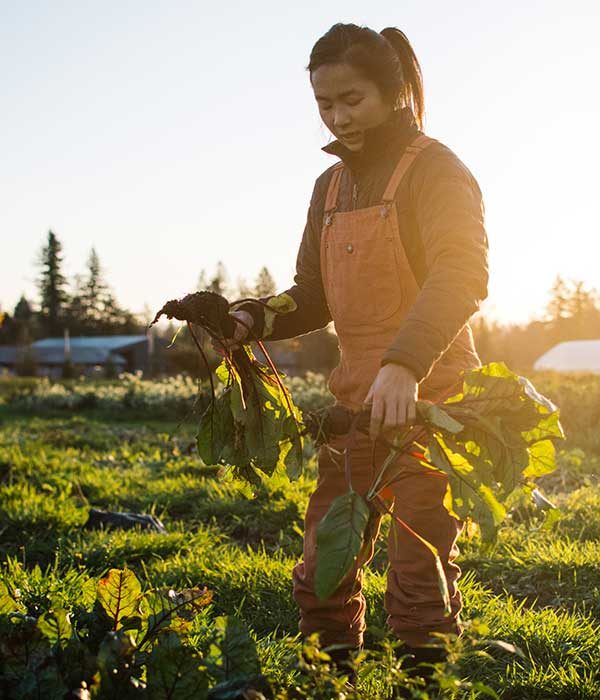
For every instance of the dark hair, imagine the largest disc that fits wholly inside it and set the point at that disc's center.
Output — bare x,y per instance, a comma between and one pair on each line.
386,58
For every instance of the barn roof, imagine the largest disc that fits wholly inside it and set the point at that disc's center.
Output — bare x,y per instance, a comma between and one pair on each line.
572,356
90,350
79,356
97,342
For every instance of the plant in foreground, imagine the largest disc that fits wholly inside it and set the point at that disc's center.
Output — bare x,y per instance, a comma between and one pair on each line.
491,441
126,643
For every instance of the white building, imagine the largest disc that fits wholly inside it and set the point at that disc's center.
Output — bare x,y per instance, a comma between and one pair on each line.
572,356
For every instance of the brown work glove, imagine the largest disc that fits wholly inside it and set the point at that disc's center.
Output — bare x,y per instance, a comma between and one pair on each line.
243,324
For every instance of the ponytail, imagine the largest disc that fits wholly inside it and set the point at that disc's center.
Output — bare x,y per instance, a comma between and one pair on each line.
411,92
386,58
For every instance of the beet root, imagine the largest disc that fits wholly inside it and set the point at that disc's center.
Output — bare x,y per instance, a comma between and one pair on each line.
206,309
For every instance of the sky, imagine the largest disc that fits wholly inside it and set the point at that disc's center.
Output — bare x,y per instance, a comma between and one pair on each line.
170,136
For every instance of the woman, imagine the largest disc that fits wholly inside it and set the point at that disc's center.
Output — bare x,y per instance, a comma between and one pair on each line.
395,253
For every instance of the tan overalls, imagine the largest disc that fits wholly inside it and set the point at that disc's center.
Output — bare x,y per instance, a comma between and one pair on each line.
370,287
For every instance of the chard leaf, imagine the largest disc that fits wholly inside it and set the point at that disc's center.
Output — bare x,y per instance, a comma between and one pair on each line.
264,426
254,428
508,428
233,653
340,536
504,453
119,594
175,671
55,625
226,374
216,430
471,493
548,426
290,452
494,389
492,381
542,459
437,417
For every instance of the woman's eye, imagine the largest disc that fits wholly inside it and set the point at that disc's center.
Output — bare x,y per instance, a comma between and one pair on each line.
353,103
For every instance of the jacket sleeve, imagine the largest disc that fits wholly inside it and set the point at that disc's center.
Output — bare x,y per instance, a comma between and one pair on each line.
310,311
449,216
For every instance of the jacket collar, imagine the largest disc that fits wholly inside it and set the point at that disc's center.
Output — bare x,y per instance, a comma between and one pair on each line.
395,133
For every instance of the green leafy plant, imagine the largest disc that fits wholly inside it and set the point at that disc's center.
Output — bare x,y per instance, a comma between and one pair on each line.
491,441
125,643
253,424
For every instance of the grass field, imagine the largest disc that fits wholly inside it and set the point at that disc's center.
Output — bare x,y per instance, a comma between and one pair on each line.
538,590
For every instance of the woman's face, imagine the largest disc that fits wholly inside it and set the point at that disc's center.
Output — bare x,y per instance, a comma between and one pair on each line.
348,103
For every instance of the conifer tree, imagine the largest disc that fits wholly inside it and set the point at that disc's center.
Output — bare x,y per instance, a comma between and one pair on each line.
23,310
265,284
97,299
52,286
218,283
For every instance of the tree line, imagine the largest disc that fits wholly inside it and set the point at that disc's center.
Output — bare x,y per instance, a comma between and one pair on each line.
86,305
572,313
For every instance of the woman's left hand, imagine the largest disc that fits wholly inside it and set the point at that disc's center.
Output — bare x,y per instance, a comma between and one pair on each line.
393,396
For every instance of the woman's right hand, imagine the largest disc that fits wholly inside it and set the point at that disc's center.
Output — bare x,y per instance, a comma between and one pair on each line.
243,324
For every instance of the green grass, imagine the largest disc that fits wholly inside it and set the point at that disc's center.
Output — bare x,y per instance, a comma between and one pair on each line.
538,589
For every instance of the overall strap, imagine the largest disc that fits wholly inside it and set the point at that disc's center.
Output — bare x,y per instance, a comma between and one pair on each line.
408,158
334,188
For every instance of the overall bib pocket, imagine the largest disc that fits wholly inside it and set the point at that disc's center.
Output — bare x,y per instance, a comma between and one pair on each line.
364,277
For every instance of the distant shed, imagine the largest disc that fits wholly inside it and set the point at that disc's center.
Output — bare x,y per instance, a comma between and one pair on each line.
572,356
123,352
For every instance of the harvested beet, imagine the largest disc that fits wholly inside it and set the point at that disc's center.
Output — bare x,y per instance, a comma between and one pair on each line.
207,309
259,427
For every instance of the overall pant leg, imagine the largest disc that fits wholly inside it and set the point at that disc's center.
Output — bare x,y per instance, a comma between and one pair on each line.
341,618
413,599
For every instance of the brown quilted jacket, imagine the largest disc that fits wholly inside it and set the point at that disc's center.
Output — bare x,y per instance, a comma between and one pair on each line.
440,213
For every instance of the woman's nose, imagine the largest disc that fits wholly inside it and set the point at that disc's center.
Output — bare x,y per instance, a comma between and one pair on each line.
341,117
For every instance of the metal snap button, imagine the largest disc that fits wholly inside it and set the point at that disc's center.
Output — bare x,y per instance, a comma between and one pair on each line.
350,248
